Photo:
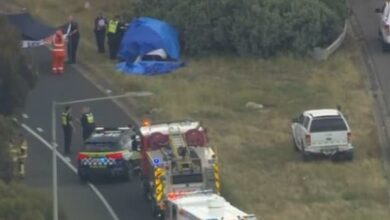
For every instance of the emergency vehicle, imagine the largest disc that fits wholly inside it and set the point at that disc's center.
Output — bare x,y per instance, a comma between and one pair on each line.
202,206
108,151
175,157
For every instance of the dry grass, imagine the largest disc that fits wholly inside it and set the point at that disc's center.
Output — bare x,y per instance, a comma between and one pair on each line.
261,172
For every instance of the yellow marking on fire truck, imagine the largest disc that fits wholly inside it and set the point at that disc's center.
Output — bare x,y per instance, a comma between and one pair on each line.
159,185
217,178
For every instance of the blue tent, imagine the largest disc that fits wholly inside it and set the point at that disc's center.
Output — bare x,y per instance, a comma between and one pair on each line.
143,36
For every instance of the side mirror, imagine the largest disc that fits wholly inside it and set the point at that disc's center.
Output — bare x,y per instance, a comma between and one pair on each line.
294,120
378,10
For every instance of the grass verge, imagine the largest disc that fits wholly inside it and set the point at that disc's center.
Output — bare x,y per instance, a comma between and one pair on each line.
261,173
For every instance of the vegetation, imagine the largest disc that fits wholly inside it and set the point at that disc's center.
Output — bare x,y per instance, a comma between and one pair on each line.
16,78
261,173
17,202
250,27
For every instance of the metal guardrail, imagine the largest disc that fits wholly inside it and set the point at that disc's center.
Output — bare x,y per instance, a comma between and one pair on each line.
323,53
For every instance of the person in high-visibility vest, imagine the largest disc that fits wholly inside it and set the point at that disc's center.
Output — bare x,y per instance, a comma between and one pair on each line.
113,41
22,158
87,121
58,52
67,125
18,150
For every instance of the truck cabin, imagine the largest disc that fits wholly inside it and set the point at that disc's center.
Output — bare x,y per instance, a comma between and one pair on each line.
202,206
156,143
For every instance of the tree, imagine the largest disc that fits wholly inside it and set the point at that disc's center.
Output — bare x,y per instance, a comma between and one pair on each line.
249,27
16,78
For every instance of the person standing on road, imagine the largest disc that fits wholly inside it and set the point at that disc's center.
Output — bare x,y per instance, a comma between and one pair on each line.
73,36
87,121
67,126
58,52
113,37
100,31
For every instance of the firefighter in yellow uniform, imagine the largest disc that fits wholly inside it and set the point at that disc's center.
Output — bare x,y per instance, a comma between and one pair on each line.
18,152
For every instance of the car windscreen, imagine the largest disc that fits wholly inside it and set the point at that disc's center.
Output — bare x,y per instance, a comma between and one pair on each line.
324,124
100,146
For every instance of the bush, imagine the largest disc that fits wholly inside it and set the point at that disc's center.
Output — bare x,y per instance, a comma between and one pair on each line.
7,132
18,202
249,27
16,78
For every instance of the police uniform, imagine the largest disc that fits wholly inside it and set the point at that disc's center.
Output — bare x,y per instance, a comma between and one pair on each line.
113,41
73,41
66,120
100,32
88,124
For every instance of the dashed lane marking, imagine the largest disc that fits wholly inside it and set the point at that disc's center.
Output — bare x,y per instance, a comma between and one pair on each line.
39,129
25,116
73,168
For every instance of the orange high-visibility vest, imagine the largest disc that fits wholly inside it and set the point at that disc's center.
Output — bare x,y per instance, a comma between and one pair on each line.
59,44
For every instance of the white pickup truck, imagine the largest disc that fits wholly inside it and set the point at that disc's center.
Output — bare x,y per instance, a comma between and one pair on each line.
322,132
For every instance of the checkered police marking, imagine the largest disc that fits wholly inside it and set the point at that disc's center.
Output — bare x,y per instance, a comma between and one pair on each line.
103,161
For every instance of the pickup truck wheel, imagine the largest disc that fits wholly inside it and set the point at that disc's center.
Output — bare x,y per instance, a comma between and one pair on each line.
295,144
349,156
306,156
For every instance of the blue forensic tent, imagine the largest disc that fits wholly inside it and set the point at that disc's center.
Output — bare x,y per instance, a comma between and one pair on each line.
149,47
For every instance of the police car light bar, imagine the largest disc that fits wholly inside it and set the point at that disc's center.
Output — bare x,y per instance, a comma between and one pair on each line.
111,128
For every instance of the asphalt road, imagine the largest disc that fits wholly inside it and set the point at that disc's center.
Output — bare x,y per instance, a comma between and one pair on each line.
369,23
78,200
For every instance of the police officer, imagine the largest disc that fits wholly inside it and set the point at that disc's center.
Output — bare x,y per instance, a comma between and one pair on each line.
73,36
112,35
100,31
67,126
87,121
121,29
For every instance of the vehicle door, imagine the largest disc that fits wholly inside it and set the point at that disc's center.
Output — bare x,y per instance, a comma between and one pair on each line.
305,130
297,128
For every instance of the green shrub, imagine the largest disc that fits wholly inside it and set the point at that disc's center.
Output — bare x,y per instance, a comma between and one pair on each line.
17,202
249,27
16,78
7,131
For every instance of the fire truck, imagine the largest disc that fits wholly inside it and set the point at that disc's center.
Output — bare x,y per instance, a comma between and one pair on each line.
202,206
175,157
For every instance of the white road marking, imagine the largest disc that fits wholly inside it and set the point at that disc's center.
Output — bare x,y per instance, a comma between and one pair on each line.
108,91
66,160
25,116
39,129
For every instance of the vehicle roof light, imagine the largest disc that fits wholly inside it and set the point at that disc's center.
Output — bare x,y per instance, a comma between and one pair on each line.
146,122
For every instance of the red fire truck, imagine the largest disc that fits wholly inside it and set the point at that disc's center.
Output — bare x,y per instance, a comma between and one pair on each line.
176,157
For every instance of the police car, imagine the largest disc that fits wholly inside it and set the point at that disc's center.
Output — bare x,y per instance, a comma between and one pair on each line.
108,151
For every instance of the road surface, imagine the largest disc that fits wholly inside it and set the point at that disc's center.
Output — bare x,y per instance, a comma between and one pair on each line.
77,200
